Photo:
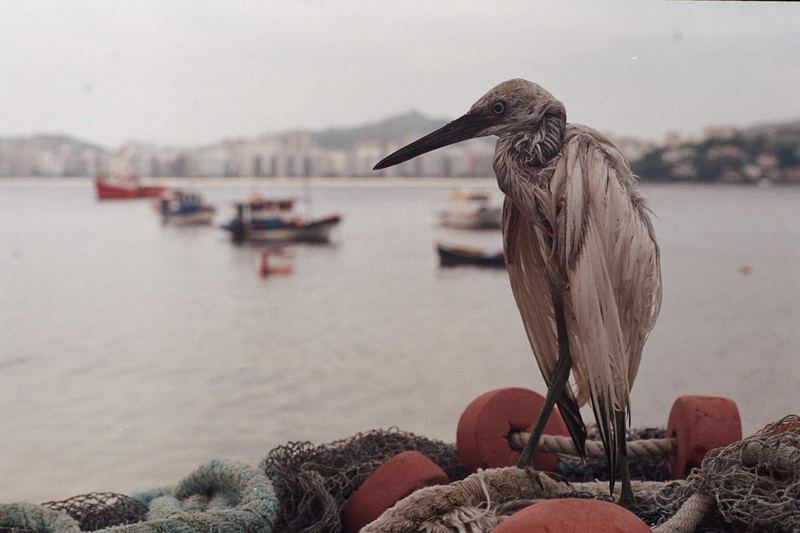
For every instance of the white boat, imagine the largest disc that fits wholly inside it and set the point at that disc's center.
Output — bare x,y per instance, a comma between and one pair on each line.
471,210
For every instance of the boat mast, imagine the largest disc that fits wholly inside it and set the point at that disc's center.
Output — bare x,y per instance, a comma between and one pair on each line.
307,197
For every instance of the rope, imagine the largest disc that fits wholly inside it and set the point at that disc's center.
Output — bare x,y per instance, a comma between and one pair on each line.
594,449
781,457
481,501
484,499
753,483
220,496
689,515
35,517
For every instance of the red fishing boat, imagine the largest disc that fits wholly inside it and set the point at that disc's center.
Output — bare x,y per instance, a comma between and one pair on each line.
125,188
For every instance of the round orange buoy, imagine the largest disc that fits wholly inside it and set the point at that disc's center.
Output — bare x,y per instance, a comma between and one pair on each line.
389,483
573,515
484,426
700,424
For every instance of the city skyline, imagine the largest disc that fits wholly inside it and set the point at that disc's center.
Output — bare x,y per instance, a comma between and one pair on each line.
192,73
727,152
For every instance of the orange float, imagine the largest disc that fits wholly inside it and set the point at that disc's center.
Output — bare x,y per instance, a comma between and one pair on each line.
389,483
573,515
699,424
484,426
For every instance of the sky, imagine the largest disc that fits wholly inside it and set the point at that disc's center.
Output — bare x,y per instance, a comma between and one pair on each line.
195,71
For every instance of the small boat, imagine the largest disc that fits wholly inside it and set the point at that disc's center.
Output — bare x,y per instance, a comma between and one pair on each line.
269,220
184,208
125,188
471,210
276,263
463,255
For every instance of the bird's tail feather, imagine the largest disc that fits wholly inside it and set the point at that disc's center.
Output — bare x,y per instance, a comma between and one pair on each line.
607,425
571,414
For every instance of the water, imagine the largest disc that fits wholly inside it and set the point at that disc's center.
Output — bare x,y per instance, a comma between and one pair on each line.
130,353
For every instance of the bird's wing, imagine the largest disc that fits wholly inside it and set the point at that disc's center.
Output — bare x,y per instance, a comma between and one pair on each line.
607,246
584,231
612,265
527,250
528,253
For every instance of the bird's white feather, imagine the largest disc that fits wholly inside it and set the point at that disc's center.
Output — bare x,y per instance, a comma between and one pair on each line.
578,227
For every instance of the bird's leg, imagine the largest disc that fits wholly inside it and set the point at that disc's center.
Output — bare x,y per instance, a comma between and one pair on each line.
557,381
626,498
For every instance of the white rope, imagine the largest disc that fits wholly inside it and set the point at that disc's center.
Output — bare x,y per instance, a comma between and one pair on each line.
479,502
594,449
688,516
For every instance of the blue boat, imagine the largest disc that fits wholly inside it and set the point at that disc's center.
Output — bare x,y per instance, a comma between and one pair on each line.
184,208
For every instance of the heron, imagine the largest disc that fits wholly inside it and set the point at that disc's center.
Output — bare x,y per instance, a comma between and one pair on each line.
581,255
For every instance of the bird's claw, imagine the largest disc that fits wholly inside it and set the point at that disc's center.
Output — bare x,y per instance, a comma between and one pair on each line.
628,502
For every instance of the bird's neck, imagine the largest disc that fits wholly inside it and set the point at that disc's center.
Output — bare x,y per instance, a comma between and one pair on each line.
537,146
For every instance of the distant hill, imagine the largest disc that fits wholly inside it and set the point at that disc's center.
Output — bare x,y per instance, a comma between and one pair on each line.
49,155
772,128
394,128
51,140
765,152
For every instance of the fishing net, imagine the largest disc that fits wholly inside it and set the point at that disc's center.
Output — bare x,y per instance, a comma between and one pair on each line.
99,510
217,496
314,482
755,482
751,485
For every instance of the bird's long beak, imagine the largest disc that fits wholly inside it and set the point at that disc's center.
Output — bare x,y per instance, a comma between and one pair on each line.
465,127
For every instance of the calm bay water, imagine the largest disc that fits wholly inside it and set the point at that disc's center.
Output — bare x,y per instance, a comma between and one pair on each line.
130,353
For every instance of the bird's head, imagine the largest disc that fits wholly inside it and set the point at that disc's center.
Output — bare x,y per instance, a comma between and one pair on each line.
512,106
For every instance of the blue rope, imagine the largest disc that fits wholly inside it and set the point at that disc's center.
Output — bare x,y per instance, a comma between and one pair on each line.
32,516
221,496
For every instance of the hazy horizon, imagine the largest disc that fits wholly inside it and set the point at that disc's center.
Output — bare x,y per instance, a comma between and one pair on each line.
190,73
190,145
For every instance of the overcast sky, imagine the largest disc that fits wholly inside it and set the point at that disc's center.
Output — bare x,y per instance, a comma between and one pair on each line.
195,71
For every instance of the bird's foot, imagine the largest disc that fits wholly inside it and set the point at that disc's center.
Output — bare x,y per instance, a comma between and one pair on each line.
628,501
524,462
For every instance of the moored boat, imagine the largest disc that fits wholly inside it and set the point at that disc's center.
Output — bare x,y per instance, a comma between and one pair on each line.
464,255
471,210
270,220
126,188
184,208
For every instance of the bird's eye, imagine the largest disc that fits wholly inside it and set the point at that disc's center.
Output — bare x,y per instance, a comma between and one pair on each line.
499,107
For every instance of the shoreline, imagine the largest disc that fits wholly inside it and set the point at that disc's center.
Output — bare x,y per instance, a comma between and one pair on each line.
328,182
241,182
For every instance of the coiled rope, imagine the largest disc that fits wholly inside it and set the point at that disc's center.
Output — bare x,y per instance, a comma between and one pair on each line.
219,496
